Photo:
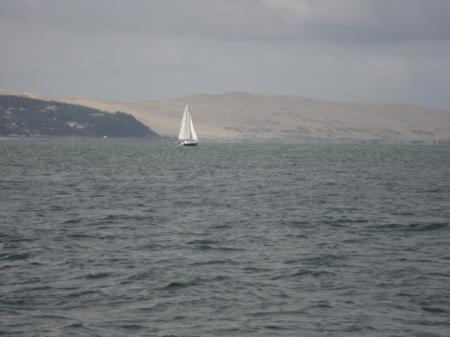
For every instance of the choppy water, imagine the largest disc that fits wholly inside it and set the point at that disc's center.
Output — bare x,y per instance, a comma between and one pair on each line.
147,239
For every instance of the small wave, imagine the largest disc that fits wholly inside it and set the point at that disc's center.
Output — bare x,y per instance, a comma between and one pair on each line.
432,190
82,293
222,226
7,266
131,326
202,242
79,326
431,226
343,221
176,285
211,262
97,275
353,221
322,305
318,273
13,302
221,278
276,313
19,256
403,294
143,275
305,273
324,260
39,288
55,208
255,270
273,327
296,223
11,239
435,310
205,246
293,261
414,227
79,236
36,263
115,218
72,221
50,316
74,325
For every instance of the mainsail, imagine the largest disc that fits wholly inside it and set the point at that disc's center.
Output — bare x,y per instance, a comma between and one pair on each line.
187,131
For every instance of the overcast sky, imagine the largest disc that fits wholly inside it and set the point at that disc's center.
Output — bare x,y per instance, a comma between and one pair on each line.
346,50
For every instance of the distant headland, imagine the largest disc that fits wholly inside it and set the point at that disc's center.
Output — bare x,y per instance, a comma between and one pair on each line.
247,117
25,117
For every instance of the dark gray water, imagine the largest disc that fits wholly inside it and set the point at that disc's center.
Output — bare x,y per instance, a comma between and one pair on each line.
145,239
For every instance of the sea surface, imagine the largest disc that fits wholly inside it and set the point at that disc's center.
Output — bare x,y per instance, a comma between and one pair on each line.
134,238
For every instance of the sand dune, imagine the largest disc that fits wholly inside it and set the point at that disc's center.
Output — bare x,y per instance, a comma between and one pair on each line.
239,116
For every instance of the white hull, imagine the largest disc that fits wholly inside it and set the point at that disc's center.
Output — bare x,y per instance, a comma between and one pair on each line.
188,143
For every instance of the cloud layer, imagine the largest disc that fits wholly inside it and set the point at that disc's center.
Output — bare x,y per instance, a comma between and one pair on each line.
379,50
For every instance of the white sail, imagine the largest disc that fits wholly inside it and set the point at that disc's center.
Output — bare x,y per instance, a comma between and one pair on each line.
185,129
187,135
193,134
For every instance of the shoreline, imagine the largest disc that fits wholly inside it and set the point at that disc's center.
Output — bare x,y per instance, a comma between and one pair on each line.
233,141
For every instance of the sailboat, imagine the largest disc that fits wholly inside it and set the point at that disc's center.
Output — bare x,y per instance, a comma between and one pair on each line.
187,135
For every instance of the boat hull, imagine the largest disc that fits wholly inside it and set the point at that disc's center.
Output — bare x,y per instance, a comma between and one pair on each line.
188,143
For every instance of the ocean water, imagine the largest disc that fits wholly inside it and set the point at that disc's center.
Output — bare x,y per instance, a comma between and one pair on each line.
124,238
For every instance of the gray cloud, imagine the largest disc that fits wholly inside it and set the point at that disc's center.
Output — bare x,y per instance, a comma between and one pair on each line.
348,50
331,20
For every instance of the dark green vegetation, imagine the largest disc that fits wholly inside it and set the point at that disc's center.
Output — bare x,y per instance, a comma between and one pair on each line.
23,116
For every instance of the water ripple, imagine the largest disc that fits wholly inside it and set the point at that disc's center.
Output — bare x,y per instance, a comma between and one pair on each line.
124,238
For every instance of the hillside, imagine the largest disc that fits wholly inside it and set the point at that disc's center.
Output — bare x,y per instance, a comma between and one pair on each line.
239,116
24,116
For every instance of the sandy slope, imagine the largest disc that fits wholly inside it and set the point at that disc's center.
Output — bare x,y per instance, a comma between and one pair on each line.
248,117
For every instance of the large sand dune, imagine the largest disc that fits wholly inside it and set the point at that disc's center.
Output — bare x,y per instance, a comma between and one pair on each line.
239,116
